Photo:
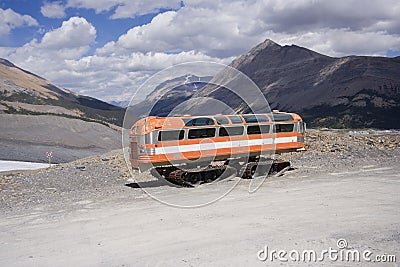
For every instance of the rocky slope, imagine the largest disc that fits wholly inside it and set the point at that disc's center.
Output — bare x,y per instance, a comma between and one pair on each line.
101,176
166,97
37,116
353,91
22,92
350,91
28,138
347,92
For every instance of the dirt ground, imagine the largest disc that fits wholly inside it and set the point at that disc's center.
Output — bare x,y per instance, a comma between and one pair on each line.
344,188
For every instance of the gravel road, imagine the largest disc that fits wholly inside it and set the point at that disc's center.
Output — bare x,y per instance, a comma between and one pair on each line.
92,213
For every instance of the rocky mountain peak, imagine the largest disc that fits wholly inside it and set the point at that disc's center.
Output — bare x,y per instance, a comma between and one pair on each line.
269,54
266,46
352,91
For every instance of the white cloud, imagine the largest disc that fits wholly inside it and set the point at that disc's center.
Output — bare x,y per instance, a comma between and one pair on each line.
128,9
9,20
229,28
297,15
125,8
53,10
69,42
208,31
118,77
60,57
98,5
75,32
201,30
342,42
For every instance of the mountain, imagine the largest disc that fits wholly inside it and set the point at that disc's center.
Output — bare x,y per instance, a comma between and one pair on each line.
167,96
346,92
352,91
72,126
22,92
122,104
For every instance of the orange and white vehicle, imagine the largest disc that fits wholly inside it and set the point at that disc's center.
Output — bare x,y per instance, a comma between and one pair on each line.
165,143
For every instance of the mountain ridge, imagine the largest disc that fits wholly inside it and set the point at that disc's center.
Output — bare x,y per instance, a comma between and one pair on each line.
336,92
23,92
345,92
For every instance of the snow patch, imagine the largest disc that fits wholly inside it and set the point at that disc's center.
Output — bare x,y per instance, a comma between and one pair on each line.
6,165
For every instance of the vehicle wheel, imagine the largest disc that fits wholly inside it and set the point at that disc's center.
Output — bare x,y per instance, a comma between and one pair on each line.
194,178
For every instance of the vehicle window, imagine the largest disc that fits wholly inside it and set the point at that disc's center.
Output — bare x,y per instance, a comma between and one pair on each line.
198,122
171,135
221,120
284,128
201,133
258,129
282,117
230,131
255,118
235,119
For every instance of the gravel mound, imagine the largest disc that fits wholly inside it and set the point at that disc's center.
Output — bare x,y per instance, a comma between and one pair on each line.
28,138
97,178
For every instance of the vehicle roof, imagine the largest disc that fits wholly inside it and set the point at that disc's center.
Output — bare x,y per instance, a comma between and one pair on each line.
152,123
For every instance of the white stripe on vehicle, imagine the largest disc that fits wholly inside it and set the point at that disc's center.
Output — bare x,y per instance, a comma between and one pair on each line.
221,145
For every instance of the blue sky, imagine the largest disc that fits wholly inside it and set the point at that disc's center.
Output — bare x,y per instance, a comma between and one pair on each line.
107,48
107,29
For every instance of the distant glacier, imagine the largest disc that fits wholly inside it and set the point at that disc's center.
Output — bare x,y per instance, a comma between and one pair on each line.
7,165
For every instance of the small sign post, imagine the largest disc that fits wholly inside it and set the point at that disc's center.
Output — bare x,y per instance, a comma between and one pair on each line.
49,155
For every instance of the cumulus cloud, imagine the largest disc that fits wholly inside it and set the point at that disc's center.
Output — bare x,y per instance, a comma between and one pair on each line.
53,10
343,42
225,29
69,42
125,8
293,16
75,32
220,28
98,5
60,57
118,77
9,20
208,31
201,30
